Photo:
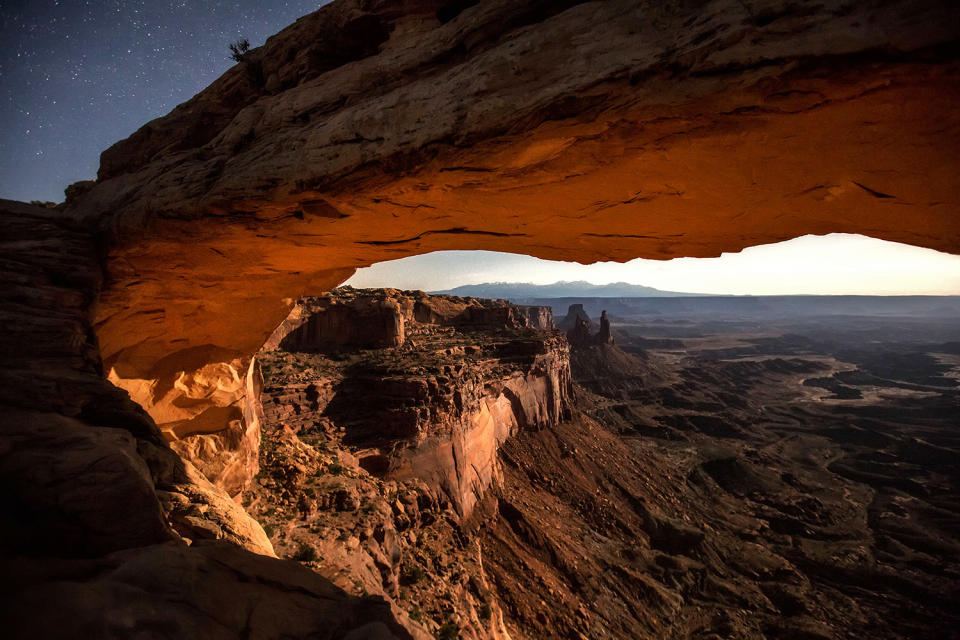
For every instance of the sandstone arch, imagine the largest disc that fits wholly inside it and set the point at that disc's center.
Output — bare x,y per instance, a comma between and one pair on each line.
372,130
579,131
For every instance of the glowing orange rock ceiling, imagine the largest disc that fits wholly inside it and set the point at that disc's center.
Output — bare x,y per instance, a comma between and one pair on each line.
369,131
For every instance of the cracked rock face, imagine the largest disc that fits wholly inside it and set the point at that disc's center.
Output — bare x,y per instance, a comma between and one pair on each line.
576,131
436,401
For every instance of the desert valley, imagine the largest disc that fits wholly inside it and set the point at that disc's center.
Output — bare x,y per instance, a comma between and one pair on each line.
711,467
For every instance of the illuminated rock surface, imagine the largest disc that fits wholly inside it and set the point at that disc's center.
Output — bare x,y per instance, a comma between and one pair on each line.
435,401
570,131
373,130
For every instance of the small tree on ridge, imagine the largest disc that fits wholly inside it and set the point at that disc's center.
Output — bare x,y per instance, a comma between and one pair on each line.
239,49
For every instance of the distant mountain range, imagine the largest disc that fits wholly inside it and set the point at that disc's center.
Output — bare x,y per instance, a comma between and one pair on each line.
578,289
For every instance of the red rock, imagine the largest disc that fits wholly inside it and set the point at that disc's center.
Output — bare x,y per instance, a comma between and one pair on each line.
438,414
575,132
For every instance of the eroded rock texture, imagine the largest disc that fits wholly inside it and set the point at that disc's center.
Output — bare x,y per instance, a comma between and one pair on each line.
567,130
373,130
98,510
380,457
434,403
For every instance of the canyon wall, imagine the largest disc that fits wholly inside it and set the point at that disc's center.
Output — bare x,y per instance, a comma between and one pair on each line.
455,449
474,373
539,317
223,441
379,460
318,324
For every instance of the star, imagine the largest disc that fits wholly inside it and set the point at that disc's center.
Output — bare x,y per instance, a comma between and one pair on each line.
77,77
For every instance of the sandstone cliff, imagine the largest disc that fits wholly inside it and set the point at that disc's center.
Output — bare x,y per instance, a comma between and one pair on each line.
376,451
344,322
435,400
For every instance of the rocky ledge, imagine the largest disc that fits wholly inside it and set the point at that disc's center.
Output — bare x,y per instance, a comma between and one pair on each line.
442,382
384,413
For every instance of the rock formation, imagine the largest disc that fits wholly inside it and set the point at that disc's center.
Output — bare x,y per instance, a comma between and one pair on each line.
575,315
336,323
604,336
538,316
433,403
343,322
373,456
579,332
374,130
573,131
101,517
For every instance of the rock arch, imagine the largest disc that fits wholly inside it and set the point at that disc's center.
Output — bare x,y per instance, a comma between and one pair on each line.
576,131
565,130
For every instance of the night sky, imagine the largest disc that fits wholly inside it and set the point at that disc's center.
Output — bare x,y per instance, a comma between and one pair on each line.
78,76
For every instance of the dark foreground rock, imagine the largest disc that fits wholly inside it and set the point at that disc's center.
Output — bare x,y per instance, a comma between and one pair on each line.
208,590
106,531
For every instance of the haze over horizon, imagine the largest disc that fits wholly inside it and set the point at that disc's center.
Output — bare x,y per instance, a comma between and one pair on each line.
834,264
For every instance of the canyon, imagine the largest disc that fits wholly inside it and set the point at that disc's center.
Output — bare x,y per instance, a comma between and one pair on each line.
457,378
720,481
380,453
133,314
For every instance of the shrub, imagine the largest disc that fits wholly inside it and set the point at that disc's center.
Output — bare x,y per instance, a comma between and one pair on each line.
413,575
448,631
239,49
305,553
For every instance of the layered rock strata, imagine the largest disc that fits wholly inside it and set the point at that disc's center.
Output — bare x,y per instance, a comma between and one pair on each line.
456,378
344,322
376,461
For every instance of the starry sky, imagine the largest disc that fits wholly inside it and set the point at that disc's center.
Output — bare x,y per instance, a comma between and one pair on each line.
77,76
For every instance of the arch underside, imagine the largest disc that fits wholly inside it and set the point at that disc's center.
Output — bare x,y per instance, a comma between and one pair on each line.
571,131
872,155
